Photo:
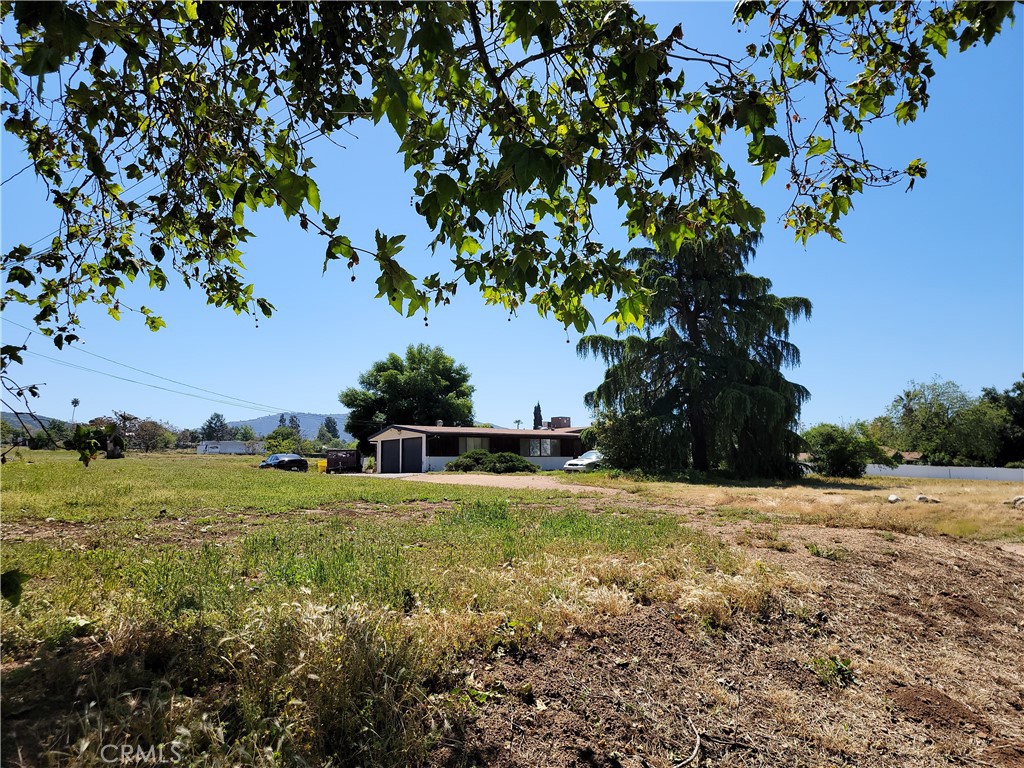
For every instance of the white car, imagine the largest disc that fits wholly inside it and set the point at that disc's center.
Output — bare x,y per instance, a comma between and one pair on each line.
585,463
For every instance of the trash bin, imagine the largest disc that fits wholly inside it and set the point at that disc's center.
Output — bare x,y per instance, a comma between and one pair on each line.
321,465
343,460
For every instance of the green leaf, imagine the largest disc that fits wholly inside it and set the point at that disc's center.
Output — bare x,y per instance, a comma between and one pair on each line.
7,80
818,146
293,190
447,188
313,194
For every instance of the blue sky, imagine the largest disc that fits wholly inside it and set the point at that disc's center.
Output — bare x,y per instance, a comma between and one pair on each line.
927,283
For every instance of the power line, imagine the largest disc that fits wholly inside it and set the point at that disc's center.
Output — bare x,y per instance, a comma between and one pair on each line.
155,386
246,403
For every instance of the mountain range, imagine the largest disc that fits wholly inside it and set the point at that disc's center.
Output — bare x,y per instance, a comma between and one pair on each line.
309,423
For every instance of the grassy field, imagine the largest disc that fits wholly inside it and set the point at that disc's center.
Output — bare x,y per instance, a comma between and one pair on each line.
232,615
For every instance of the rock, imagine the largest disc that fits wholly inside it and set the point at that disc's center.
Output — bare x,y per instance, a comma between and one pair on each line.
926,499
893,498
1016,501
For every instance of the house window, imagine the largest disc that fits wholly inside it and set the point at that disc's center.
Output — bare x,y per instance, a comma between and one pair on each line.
467,444
538,447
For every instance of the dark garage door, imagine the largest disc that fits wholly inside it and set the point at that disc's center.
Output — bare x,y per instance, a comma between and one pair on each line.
389,455
412,454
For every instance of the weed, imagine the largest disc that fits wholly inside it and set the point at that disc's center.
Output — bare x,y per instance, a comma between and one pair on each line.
835,554
736,514
833,671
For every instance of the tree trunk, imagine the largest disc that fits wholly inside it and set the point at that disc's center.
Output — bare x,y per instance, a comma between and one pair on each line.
699,433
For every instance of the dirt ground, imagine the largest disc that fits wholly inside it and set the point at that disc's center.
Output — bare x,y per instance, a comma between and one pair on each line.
929,633
534,482
873,648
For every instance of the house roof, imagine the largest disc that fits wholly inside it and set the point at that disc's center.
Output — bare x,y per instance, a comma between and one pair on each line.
479,431
907,455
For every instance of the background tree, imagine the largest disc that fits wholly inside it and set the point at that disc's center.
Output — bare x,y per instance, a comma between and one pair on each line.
707,372
75,402
331,426
941,421
283,440
281,421
53,436
843,451
1011,434
538,418
216,428
151,435
294,424
187,438
324,435
423,387
244,433
518,423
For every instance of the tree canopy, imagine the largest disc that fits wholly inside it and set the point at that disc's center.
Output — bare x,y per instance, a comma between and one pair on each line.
216,428
424,387
948,426
843,451
514,118
702,386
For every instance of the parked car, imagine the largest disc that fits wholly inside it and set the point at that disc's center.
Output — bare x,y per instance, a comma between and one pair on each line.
588,461
290,461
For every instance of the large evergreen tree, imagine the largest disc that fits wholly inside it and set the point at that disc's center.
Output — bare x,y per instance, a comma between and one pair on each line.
704,381
216,428
423,387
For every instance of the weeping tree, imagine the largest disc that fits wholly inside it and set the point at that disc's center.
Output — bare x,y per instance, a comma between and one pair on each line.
702,384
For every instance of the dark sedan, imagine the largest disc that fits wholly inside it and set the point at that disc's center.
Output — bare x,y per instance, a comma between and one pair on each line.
291,461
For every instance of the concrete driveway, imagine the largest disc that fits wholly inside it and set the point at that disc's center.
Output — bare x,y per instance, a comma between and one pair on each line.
534,482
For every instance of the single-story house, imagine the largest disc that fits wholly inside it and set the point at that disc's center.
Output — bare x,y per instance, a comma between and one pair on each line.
414,448
230,446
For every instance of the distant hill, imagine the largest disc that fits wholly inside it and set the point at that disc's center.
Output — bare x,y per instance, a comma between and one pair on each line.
310,424
30,422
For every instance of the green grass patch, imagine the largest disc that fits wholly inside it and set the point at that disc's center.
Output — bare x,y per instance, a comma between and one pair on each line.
52,484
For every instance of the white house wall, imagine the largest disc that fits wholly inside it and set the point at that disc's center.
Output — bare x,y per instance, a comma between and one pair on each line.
546,463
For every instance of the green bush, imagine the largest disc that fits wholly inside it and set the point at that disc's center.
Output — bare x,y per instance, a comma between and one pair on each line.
842,451
485,461
505,463
471,461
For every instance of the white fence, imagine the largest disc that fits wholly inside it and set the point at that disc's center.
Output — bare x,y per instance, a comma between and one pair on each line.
950,473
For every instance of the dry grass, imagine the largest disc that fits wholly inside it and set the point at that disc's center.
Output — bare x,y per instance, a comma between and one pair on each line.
971,509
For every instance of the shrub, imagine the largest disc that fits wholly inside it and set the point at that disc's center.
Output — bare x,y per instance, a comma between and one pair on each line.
843,451
484,461
471,461
504,463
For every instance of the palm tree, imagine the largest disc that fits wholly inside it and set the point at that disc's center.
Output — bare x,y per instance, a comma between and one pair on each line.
75,402
518,423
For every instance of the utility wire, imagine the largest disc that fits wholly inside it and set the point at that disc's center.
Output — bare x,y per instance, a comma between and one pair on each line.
247,403
156,386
